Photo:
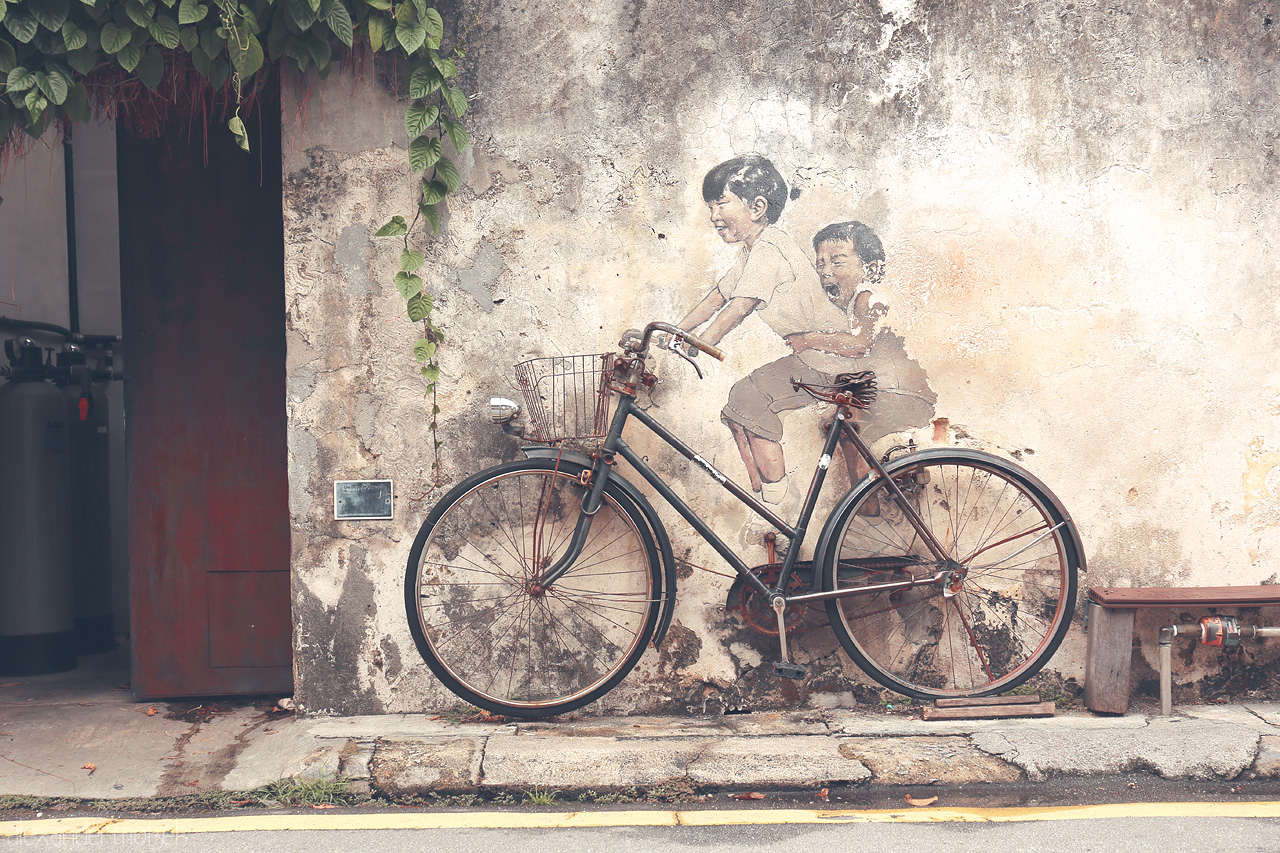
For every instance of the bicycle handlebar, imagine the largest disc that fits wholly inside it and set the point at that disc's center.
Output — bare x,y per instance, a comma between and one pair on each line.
680,334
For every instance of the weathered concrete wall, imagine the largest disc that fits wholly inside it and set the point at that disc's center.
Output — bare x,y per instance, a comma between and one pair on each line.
1077,204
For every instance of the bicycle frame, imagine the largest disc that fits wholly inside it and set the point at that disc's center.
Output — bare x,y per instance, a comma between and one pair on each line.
615,446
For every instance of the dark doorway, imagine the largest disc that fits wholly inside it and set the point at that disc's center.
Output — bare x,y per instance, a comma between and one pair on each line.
202,289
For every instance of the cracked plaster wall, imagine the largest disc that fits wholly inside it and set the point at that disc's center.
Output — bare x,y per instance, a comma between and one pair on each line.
1077,202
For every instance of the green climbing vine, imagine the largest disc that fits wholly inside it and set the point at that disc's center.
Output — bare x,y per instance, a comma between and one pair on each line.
63,60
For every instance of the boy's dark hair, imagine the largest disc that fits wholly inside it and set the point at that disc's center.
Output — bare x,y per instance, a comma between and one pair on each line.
746,177
864,240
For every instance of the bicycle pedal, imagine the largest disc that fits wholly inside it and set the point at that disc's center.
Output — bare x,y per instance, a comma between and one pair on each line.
783,669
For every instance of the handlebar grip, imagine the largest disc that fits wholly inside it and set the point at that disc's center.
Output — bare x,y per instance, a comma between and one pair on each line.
700,345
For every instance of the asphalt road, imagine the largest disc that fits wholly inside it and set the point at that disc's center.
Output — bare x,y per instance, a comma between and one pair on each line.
1129,834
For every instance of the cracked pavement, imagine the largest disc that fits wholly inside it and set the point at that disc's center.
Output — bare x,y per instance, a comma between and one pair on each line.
97,744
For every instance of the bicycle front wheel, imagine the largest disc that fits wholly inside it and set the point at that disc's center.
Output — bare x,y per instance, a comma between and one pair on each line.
486,628
998,617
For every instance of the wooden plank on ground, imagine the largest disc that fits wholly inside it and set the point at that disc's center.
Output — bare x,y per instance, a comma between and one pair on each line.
1030,699
991,712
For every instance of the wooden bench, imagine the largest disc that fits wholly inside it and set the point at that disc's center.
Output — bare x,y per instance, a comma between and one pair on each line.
1110,629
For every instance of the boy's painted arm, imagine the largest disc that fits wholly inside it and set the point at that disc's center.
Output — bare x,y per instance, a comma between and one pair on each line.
703,311
727,320
838,343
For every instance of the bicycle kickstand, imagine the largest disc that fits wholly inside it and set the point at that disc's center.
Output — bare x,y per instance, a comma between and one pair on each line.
784,668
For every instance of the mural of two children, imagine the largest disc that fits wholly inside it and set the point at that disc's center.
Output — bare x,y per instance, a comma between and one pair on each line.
825,315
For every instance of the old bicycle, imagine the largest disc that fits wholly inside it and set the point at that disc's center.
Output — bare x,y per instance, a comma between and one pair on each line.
534,586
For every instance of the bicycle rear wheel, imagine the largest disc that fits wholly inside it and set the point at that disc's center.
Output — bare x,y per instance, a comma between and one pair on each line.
489,632
1018,555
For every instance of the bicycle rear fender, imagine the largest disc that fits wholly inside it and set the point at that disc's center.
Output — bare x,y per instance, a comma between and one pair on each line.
579,460
865,484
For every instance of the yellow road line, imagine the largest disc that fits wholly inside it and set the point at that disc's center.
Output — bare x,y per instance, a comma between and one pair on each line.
571,820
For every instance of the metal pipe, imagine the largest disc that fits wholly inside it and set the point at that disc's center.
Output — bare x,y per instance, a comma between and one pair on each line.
1211,631
73,277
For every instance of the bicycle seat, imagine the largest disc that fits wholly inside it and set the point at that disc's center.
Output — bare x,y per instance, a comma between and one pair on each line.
849,389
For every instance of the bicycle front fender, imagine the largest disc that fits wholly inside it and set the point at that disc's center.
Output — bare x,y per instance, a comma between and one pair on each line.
581,461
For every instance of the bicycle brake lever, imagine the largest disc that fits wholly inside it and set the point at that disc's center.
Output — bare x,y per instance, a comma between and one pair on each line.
680,352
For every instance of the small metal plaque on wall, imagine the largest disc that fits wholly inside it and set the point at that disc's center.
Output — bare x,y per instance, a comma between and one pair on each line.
362,499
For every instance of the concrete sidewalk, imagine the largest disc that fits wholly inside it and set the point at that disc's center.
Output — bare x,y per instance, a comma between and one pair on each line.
80,736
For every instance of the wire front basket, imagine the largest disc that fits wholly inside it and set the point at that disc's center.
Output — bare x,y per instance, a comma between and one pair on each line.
567,397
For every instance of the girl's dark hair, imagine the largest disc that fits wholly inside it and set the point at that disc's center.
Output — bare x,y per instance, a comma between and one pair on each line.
746,177
865,242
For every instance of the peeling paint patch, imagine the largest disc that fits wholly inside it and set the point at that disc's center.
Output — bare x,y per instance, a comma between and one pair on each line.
479,280
349,256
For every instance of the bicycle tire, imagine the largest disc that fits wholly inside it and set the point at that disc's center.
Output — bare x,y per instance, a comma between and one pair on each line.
501,644
1013,605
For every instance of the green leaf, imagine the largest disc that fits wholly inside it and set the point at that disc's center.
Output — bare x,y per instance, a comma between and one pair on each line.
395,227
3,7
20,79
456,100
245,52
114,39
302,13
379,28
35,102
318,47
456,132
74,37
423,153
420,8
165,31
138,13
339,21
296,49
447,172
51,14
419,307
404,13
83,60
423,349
383,5
432,372
411,260
200,61
191,12
189,37
418,117
129,56
408,284
447,67
433,22
219,71
423,80
411,36
77,104
432,214
151,69
433,192
54,86
315,5
8,59
21,24
48,43
211,43
236,126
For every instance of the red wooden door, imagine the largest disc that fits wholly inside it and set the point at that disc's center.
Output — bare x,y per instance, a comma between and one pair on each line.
202,271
